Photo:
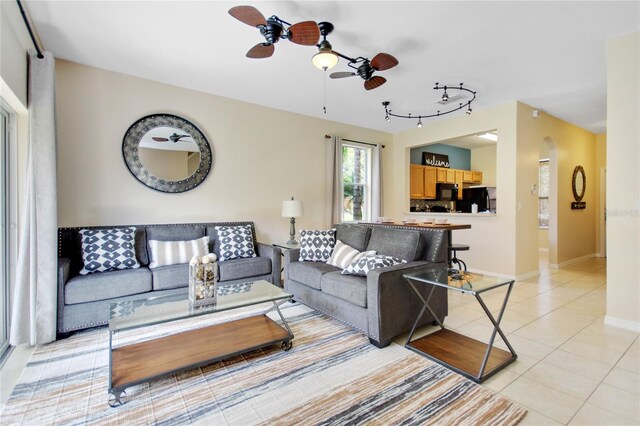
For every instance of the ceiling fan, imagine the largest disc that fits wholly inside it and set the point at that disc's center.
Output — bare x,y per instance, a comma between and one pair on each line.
273,29
365,69
173,138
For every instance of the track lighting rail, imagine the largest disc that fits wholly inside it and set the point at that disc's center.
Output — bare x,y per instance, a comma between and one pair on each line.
445,98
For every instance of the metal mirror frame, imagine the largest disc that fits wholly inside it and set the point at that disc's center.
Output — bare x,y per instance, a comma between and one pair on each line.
131,143
578,197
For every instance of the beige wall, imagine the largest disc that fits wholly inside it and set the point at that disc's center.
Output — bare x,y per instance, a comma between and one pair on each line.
573,232
261,156
14,42
623,182
484,160
515,252
488,253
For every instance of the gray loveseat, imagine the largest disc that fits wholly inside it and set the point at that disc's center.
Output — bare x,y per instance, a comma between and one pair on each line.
381,304
83,300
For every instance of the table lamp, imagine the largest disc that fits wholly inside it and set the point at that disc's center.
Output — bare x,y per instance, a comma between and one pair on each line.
292,208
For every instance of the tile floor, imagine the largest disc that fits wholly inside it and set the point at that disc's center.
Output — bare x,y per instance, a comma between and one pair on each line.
571,368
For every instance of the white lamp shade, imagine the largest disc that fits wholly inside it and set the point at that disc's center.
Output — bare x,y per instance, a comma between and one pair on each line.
325,59
292,208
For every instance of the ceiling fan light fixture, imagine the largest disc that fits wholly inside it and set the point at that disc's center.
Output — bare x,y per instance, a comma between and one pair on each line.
325,58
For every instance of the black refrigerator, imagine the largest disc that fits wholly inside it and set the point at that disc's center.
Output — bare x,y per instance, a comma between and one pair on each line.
483,196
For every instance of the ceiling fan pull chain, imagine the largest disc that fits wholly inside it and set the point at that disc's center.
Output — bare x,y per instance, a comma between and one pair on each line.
324,107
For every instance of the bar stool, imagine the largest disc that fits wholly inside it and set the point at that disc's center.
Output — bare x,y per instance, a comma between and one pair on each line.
453,258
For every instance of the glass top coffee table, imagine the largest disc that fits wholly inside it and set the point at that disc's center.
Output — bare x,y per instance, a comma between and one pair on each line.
472,358
139,362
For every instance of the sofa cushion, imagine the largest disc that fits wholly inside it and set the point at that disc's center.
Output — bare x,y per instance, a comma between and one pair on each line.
351,288
107,285
316,246
178,232
309,273
164,253
236,242
108,249
395,242
357,236
171,276
244,268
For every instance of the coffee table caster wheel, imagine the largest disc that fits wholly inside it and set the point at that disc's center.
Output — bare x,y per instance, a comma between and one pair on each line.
287,345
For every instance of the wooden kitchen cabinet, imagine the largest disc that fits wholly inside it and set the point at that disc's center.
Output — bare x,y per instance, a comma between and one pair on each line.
441,175
422,182
451,175
460,181
417,181
430,182
467,176
476,177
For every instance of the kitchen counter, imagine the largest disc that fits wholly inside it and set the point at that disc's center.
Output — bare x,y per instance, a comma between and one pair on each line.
447,226
419,215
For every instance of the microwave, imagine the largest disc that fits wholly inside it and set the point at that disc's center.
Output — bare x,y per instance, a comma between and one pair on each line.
447,192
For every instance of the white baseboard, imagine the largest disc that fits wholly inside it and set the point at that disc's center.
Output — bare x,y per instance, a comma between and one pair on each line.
622,323
506,276
527,275
495,274
571,261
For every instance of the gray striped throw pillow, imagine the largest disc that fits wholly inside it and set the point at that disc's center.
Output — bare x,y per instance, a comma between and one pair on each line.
164,253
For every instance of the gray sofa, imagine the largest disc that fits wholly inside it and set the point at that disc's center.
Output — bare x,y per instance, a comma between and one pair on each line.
83,300
381,304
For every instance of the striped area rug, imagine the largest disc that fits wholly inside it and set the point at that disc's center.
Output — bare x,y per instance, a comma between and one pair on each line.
332,376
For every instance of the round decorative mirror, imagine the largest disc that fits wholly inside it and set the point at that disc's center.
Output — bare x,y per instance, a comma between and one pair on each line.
578,183
167,153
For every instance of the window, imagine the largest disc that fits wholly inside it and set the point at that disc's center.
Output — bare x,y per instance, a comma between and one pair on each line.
543,193
356,182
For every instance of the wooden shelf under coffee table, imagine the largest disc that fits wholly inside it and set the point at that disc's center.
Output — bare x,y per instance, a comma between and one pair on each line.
470,357
139,362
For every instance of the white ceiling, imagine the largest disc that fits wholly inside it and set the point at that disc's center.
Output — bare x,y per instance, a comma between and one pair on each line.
550,55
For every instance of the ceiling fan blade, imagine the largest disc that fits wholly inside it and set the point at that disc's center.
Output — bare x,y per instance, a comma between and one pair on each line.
375,81
249,15
305,33
383,61
342,74
261,50
157,139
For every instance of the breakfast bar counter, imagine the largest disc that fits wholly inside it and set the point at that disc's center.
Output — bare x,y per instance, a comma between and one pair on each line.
447,226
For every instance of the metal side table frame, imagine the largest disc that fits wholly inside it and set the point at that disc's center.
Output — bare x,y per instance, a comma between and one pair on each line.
439,338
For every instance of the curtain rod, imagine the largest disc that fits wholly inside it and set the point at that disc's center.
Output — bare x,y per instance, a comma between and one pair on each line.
351,140
26,22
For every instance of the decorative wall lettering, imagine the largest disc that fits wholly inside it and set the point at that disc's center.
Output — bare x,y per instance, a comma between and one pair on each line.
435,160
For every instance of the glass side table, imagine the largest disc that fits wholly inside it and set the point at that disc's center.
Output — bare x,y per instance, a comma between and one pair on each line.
285,247
471,358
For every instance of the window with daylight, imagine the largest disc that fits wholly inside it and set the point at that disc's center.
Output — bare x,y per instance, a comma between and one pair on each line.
356,182
543,193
